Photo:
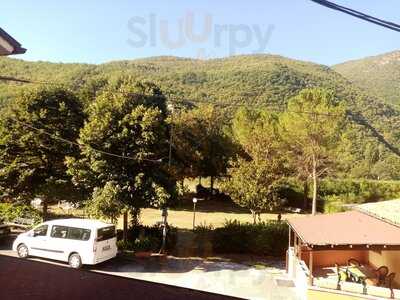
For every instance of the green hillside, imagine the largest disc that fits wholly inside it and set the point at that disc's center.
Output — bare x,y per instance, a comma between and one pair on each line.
262,79
379,75
252,80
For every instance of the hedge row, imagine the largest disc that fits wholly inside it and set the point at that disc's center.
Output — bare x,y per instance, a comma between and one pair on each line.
335,194
146,238
264,239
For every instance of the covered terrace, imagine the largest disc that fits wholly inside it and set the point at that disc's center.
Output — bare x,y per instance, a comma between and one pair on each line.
352,252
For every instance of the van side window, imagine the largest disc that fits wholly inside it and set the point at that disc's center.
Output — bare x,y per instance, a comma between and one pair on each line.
59,232
78,234
40,230
72,233
105,233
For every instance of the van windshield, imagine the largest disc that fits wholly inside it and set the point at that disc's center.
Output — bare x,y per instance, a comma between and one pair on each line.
105,233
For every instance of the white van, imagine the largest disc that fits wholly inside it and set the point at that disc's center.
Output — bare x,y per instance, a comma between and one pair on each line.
76,241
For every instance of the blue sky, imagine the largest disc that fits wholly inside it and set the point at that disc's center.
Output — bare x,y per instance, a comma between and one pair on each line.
96,31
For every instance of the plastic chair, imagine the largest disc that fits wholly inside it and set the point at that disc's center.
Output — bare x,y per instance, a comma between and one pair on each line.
381,273
389,283
353,262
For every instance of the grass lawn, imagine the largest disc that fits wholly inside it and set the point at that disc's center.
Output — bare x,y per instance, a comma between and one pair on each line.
184,218
209,212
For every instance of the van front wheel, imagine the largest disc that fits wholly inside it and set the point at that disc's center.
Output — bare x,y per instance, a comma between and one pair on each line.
75,261
22,251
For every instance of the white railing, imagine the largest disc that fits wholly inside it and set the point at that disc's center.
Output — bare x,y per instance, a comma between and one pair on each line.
298,271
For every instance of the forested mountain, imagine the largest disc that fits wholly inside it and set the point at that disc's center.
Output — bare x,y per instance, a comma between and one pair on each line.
257,80
261,79
379,75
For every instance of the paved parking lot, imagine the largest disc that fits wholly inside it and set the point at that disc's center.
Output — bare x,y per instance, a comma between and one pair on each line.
215,276
27,279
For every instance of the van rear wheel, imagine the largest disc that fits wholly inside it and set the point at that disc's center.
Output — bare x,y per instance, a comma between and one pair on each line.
75,261
22,251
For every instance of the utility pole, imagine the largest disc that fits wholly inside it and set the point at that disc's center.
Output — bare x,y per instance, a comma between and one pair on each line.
171,133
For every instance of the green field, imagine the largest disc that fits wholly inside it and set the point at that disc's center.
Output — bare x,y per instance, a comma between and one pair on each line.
213,213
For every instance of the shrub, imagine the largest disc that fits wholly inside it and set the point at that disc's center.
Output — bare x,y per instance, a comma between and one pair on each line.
336,193
266,238
125,245
9,212
146,238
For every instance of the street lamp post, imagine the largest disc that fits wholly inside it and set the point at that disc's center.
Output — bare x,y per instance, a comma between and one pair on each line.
194,212
164,225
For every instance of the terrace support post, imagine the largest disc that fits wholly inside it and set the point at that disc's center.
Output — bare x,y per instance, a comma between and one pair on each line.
299,246
288,251
310,267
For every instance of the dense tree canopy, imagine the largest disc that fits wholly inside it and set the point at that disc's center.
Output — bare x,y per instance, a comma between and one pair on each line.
311,130
126,119
201,146
129,123
256,80
32,149
253,180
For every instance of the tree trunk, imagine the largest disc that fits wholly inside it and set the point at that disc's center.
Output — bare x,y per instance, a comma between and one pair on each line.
305,193
199,180
135,216
315,180
254,215
125,226
44,209
212,183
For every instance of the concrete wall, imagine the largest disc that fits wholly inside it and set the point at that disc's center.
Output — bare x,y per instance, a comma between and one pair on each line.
391,259
298,271
328,258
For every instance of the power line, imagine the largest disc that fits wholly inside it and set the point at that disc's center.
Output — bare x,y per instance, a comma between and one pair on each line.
53,136
359,15
357,118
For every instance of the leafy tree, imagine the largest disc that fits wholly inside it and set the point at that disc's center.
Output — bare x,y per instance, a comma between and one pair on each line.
311,129
253,181
201,147
32,148
106,202
256,131
253,184
123,141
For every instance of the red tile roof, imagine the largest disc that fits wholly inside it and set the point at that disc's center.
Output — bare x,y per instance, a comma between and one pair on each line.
342,229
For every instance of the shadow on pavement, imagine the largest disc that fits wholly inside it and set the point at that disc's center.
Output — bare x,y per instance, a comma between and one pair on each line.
168,264
25,279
